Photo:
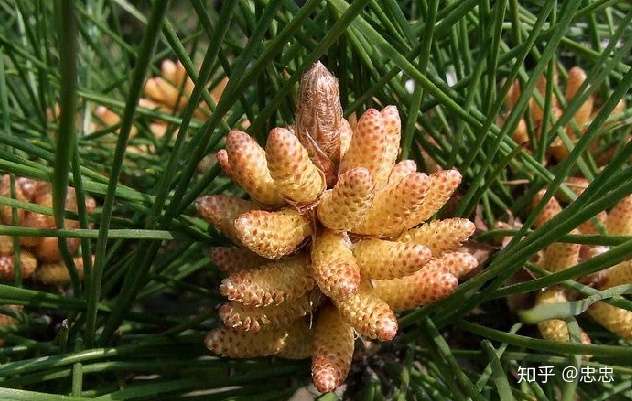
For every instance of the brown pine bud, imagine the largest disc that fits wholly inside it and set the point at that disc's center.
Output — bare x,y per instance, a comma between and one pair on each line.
319,119
298,341
332,351
442,186
368,145
440,235
384,260
57,273
241,344
333,265
393,208
253,319
276,282
28,264
296,177
620,218
616,320
576,77
369,315
235,259
249,168
272,234
221,211
344,206
430,284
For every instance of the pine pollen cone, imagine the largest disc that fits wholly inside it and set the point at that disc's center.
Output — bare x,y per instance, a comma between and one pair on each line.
559,256
333,230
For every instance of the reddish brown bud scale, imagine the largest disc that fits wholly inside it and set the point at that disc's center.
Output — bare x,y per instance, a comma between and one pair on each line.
296,177
332,350
393,209
253,319
319,119
249,168
276,282
383,260
221,211
235,259
440,235
345,206
333,265
430,284
272,234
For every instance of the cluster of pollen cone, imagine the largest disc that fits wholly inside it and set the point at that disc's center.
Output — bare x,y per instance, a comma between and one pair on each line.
576,76
168,93
336,236
39,259
560,256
